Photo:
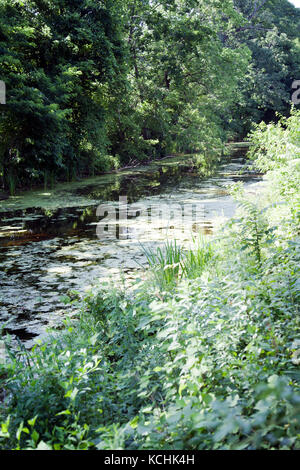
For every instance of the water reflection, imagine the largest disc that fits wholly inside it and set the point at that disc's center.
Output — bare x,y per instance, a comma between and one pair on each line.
46,253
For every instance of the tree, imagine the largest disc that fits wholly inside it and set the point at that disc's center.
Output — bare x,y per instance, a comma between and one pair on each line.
60,60
183,78
271,31
93,84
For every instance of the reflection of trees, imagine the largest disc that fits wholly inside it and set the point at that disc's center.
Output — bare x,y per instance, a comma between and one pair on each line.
49,223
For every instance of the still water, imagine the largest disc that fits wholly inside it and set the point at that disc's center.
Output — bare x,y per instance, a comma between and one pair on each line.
51,243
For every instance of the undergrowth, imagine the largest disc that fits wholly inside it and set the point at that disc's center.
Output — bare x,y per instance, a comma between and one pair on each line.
204,355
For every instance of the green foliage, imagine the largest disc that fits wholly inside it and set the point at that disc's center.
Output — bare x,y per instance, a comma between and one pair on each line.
198,257
183,77
253,229
210,360
136,80
171,263
275,146
60,61
206,354
270,30
166,263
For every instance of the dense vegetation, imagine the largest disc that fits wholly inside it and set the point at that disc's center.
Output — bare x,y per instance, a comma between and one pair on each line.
92,85
204,355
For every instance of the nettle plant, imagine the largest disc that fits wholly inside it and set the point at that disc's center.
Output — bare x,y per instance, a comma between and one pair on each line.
250,227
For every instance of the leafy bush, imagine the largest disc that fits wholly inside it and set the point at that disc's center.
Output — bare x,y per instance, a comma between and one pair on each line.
210,360
276,145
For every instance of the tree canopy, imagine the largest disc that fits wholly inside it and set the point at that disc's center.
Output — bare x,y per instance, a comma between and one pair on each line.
92,85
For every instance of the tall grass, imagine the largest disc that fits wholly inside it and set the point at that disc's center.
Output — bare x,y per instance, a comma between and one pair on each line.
196,259
165,263
171,262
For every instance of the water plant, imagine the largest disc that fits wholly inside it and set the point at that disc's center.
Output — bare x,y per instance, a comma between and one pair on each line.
165,262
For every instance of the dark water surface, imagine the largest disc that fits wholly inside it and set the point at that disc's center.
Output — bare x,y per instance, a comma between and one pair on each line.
49,245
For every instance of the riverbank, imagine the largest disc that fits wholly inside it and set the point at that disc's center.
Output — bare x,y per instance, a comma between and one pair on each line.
33,195
204,355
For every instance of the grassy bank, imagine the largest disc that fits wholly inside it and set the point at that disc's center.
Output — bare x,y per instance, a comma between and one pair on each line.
205,355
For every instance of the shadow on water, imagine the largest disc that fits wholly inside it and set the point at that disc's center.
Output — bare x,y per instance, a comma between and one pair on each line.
50,251
19,227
